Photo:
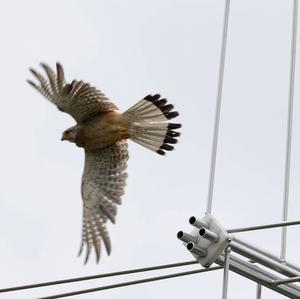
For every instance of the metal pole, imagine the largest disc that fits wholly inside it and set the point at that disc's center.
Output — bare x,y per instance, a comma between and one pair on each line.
266,254
258,291
289,132
257,227
288,280
260,276
263,260
226,272
218,110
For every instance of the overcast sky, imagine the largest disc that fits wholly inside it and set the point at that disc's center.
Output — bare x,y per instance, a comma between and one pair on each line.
129,49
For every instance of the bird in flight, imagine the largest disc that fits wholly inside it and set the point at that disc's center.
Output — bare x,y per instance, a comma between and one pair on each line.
102,131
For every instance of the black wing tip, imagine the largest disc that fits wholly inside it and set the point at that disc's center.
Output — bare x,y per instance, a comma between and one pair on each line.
60,71
46,66
33,71
73,83
31,83
80,250
87,256
108,248
97,252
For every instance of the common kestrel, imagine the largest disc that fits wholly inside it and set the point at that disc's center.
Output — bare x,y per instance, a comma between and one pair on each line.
103,132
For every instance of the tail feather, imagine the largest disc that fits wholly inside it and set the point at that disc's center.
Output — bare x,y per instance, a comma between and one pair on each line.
149,126
150,142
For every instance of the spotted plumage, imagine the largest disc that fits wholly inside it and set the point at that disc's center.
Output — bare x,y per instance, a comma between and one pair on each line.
103,132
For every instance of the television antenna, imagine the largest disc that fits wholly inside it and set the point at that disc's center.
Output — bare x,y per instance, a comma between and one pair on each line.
210,243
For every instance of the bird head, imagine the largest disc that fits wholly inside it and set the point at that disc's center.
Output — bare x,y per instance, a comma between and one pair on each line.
70,134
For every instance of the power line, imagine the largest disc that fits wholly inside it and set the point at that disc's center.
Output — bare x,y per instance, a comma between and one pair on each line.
70,280
266,226
138,270
133,282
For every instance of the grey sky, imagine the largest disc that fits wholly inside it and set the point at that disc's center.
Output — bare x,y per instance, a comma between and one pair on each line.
129,49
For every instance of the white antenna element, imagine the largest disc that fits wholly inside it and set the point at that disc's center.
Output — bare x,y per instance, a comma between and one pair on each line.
218,111
289,130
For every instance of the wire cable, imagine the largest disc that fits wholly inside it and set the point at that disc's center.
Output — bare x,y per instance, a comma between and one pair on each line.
133,282
70,280
266,226
218,111
289,131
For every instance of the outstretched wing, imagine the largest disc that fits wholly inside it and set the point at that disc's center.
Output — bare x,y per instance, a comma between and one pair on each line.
79,99
103,182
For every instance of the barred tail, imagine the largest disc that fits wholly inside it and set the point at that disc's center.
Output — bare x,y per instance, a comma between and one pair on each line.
149,124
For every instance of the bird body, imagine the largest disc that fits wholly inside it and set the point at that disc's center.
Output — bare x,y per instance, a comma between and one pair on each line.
99,131
102,130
